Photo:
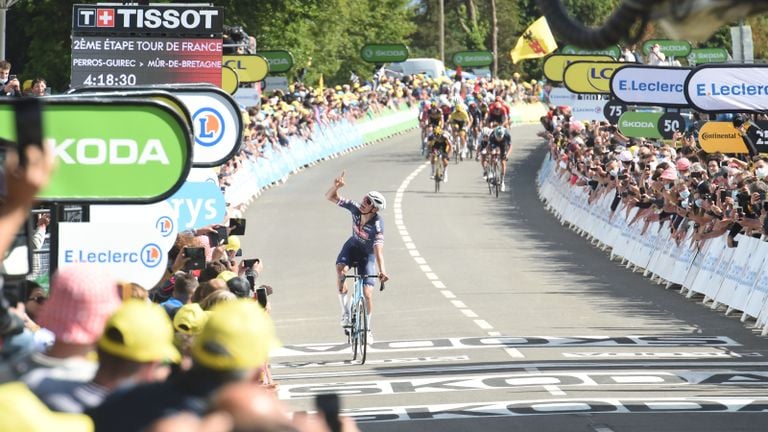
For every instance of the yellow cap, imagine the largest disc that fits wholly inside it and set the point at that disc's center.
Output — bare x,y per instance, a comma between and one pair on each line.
226,275
141,332
22,411
238,335
190,319
233,243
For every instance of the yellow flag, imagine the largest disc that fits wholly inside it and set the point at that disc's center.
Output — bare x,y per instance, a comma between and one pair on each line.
537,41
320,84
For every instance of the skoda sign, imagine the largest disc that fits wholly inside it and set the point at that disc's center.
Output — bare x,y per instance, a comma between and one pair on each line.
280,61
611,51
639,124
725,88
126,151
649,85
701,56
384,53
473,58
670,48
555,64
589,77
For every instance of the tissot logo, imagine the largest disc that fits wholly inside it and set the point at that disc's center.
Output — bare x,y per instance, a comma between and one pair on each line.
105,17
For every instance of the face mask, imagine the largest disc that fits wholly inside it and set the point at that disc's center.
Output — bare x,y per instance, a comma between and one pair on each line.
699,202
684,204
613,172
734,194
667,186
684,194
762,171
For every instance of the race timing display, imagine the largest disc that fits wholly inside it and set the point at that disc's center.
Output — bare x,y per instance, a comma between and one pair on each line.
138,45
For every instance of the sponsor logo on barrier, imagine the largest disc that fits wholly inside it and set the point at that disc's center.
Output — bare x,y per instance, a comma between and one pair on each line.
583,106
249,68
473,58
382,53
721,137
165,225
172,18
721,88
647,85
589,77
279,60
555,64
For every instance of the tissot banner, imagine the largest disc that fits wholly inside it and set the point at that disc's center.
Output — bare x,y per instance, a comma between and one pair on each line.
650,85
726,88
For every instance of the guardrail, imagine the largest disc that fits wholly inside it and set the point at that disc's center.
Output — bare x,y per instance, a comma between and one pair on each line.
736,278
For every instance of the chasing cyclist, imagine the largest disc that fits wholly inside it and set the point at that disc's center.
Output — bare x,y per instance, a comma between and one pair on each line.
496,142
439,143
460,121
365,246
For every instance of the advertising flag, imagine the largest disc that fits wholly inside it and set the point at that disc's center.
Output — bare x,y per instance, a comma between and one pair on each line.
537,41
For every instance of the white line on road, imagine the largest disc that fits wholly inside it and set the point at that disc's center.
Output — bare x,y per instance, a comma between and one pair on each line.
422,263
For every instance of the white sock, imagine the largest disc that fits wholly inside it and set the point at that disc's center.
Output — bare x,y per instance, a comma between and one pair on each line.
343,303
369,322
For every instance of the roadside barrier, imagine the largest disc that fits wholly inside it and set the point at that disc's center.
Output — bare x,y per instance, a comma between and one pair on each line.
733,278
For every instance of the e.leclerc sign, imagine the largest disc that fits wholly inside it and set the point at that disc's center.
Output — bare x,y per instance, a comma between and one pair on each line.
117,151
650,85
726,88
216,120
473,58
384,53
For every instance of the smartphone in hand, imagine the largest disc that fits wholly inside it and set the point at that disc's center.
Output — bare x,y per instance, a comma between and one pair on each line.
219,237
196,257
237,226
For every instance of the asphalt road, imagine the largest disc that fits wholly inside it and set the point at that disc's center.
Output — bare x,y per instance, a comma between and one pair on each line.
497,318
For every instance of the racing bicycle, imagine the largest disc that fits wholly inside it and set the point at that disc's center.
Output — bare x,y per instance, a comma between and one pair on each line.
494,174
357,331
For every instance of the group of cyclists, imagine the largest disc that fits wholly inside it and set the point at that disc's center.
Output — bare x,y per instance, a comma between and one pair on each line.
465,126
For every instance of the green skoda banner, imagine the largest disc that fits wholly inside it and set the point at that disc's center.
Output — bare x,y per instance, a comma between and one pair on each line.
613,51
708,55
473,58
111,150
280,61
670,48
640,124
384,53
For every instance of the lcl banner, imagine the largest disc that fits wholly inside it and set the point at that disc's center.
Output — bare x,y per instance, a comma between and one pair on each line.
589,77
727,88
650,85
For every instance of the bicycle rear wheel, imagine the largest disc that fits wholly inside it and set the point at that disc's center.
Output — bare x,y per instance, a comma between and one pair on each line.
496,179
438,174
354,336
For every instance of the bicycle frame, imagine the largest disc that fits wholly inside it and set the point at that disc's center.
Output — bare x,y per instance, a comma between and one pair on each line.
358,314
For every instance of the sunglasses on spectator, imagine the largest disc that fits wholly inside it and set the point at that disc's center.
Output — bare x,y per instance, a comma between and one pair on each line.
39,299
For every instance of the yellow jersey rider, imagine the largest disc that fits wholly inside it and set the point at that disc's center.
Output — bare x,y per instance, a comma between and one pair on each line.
439,144
460,122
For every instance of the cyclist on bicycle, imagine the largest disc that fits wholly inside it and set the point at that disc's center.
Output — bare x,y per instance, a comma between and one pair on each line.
434,115
460,122
365,246
498,143
498,112
439,144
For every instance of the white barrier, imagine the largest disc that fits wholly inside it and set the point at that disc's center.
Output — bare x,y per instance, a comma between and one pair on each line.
734,277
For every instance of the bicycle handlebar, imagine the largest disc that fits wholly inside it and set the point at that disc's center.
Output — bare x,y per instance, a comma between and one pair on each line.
356,276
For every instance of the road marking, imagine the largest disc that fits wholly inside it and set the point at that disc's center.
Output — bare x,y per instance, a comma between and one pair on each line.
682,354
402,360
554,390
422,263
516,408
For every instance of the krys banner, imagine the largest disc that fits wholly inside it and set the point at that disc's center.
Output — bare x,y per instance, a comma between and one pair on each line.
727,88
117,151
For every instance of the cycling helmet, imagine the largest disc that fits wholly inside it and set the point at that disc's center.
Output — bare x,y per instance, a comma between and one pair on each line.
438,130
487,131
460,107
498,133
377,199
433,104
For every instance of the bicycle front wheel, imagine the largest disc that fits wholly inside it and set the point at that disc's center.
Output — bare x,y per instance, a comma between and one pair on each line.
362,334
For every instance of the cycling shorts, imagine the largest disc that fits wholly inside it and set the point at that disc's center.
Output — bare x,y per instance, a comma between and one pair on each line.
352,254
434,121
496,118
458,124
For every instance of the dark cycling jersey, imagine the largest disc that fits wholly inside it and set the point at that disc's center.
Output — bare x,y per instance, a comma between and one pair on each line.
370,234
439,143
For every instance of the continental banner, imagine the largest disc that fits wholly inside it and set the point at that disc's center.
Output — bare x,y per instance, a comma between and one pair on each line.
721,137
